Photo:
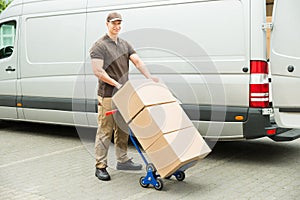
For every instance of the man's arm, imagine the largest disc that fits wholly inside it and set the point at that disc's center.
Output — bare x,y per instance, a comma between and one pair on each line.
140,65
101,74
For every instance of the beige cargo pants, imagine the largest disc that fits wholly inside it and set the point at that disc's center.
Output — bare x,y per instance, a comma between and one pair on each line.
106,127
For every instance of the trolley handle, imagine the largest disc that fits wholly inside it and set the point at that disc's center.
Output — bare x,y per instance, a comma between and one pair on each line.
111,112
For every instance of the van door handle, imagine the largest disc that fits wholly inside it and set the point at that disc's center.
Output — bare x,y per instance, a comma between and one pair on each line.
10,69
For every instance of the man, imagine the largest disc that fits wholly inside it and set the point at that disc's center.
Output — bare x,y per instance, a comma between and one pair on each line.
110,57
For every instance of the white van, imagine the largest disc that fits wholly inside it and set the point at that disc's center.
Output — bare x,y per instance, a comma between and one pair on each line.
211,54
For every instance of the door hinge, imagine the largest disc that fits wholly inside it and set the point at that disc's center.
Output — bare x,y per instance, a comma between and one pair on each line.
266,26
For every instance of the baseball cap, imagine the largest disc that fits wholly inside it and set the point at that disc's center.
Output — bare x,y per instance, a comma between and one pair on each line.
114,16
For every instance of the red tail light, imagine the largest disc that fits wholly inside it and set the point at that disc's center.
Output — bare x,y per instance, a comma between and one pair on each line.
259,84
271,131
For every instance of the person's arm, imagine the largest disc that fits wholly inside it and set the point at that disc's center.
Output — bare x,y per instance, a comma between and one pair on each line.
140,65
101,74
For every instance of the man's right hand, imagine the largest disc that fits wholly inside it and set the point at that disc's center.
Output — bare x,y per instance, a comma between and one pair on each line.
118,86
155,79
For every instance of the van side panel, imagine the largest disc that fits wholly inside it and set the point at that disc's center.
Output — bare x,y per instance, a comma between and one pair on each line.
42,6
52,62
217,29
198,48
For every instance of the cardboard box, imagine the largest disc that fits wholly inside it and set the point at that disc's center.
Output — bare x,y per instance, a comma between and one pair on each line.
137,94
160,125
177,149
154,121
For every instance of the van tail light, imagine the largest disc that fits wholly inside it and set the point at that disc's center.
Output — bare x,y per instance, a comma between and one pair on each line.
271,131
259,84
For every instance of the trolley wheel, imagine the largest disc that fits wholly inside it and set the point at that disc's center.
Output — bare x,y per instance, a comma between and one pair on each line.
180,176
150,167
159,185
141,182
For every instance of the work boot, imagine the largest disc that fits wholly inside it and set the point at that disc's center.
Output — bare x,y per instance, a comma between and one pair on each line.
129,165
102,174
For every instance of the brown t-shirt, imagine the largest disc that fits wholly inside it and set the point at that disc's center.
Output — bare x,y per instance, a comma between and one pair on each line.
115,58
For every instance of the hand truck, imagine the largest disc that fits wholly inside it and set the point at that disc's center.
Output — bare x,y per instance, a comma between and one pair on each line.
152,177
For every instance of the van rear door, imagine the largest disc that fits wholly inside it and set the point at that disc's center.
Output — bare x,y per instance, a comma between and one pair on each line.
285,63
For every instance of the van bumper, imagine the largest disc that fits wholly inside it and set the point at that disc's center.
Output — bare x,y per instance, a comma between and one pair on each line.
256,125
253,125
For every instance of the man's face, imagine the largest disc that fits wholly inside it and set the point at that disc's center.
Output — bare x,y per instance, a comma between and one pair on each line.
114,27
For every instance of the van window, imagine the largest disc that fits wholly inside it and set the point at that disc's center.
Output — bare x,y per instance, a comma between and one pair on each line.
7,38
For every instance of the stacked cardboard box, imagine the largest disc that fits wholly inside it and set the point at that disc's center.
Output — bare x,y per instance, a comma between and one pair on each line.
161,126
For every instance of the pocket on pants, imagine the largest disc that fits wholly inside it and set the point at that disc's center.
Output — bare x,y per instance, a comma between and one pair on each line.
105,105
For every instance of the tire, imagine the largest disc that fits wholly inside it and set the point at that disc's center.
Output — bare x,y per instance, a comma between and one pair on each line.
141,182
180,176
160,184
150,167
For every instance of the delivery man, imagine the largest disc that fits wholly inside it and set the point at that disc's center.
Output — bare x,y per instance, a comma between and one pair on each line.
110,57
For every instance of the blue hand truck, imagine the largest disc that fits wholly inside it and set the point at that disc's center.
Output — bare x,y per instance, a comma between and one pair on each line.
152,177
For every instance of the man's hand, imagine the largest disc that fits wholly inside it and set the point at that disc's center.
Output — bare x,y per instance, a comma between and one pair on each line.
155,79
118,86
139,64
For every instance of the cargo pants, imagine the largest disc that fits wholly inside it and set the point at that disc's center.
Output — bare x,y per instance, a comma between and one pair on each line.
106,127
